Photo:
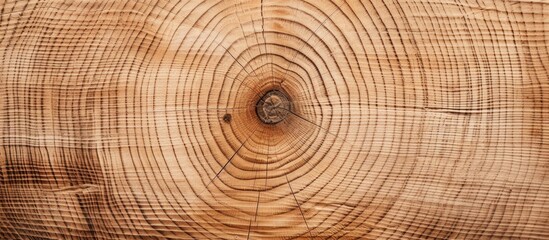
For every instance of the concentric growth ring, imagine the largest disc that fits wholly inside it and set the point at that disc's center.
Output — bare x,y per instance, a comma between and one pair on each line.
264,119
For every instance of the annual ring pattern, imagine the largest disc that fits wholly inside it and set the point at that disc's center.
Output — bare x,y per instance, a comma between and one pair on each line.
262,119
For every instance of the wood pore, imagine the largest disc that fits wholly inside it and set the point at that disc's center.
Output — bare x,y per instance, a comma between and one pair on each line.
138,119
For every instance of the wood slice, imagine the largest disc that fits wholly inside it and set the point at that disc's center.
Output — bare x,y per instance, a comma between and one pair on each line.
156,119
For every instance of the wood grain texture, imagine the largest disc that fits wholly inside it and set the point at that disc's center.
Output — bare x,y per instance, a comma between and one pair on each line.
409,119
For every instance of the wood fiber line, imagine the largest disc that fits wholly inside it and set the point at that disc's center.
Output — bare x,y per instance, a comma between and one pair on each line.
156,119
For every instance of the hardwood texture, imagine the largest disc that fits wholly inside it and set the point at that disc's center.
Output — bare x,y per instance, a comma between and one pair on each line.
405,119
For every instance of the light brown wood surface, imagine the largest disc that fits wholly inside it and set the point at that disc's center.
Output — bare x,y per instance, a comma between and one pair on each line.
407,119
